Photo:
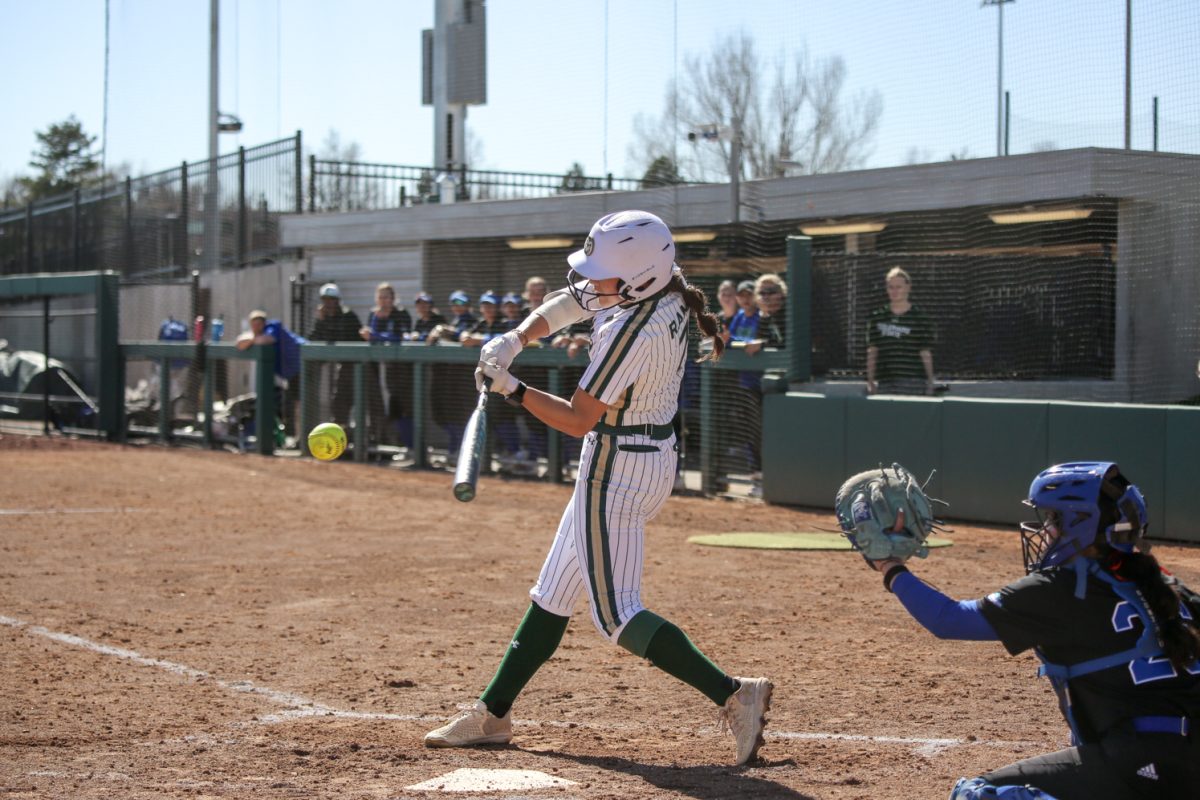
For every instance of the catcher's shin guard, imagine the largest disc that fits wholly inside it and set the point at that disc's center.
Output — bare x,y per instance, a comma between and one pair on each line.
979,789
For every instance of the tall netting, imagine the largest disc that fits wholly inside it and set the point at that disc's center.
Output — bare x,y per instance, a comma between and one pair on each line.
1045,236
1038,213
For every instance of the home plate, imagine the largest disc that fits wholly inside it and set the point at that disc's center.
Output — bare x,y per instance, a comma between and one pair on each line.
490,780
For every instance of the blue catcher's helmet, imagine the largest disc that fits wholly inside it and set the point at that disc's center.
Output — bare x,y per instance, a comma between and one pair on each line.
1078,504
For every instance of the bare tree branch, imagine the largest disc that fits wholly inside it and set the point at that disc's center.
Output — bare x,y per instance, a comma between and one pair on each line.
802,122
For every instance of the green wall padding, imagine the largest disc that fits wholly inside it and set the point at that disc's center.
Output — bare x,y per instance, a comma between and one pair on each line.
1181,468
1134,436
991,449
808,440
986,451
882,430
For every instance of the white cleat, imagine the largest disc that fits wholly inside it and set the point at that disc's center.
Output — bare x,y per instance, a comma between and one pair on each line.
474,726
744,714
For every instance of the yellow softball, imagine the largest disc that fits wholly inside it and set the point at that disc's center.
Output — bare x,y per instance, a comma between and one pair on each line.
327,441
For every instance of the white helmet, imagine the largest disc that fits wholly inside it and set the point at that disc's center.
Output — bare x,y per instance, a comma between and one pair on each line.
635,246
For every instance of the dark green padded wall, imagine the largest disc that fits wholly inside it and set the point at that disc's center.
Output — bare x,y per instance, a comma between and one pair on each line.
882,430
990,451
986,451
1181,469
808,442
1132,435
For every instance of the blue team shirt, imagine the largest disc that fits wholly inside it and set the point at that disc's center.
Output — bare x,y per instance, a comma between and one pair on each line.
744,328
390,329
287,349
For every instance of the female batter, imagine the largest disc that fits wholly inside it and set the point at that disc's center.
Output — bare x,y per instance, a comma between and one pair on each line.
626,280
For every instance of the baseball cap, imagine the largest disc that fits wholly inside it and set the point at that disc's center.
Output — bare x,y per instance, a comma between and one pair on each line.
459,297
257,314
745,286
330,290
511,298
489,297
423,297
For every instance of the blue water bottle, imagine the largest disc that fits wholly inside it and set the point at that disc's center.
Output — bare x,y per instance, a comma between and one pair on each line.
218,328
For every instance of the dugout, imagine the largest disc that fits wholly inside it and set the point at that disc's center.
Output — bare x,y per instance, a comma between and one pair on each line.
1100,306
72,315
1065,287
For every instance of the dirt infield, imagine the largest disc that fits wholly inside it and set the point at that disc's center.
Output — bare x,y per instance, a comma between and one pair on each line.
179,623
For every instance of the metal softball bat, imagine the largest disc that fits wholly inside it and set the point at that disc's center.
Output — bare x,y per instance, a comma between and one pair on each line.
470,453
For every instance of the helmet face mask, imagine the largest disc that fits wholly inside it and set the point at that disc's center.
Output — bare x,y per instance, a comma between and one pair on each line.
1079,505
584,292
636,247
1039,540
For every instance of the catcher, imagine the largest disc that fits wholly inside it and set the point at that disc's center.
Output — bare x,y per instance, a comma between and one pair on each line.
1117,636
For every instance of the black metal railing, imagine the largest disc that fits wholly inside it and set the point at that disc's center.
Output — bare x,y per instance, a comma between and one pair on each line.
154,224
362,186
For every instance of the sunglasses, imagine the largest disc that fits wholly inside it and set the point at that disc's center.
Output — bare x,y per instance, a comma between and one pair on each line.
767,292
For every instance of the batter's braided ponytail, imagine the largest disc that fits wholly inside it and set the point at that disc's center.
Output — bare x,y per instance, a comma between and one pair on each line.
697,303
1180,641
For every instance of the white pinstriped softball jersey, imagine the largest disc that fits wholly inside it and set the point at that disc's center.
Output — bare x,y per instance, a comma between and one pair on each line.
637,358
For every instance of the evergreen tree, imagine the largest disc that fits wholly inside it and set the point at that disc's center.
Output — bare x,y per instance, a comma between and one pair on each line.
662,172
65,160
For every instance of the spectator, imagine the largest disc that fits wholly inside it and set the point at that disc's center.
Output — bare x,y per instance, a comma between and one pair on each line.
743,328
265,331
534,431
535,293
488,325
899,343
337,323
461,319
173,330
427,318
386,324
460,309
744,335
501,416
510,306
442,376
727,299
771,293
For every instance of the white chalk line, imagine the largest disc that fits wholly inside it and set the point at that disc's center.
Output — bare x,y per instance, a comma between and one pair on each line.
11,512
300,707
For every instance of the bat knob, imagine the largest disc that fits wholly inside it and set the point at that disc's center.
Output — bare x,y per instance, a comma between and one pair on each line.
464,492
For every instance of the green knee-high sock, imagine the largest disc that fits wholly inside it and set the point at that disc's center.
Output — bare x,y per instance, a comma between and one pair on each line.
536,639
672,651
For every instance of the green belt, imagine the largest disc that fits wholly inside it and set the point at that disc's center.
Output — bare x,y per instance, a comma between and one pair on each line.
658,432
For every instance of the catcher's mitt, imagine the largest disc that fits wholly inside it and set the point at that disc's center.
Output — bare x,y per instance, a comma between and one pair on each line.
885,513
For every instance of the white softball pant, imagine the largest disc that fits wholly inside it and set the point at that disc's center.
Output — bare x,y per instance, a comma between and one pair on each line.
598,550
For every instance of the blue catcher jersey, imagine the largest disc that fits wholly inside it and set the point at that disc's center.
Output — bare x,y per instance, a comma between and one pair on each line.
1041,610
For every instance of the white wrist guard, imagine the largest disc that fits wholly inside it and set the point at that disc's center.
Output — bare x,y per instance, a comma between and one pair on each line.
560,309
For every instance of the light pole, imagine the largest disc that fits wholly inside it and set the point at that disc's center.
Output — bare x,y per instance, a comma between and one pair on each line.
999,73
1128,71
715,132
212,220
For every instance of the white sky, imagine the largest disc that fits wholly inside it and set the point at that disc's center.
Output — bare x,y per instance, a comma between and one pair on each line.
561,90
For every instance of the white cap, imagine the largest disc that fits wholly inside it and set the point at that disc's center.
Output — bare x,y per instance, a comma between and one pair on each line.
330,290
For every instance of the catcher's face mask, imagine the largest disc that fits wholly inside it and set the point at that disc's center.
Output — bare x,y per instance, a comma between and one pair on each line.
1039,540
